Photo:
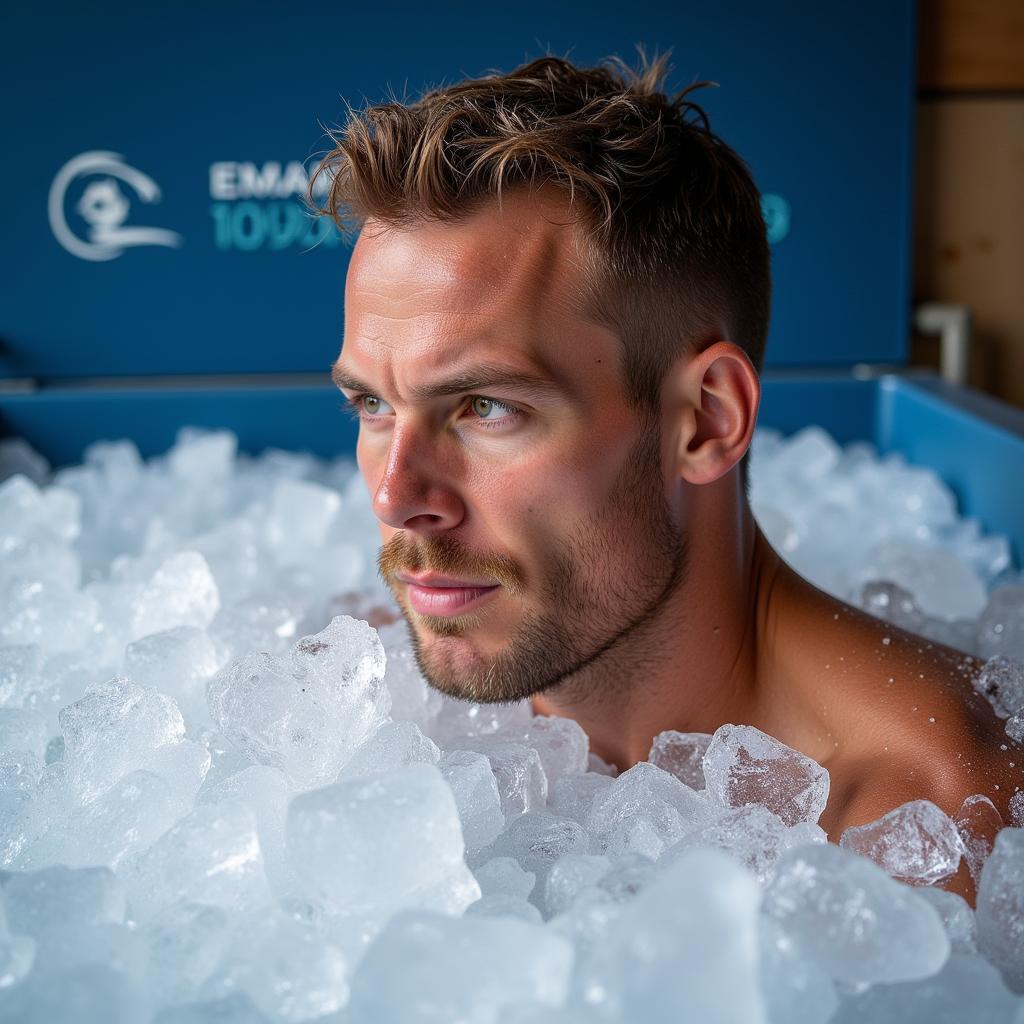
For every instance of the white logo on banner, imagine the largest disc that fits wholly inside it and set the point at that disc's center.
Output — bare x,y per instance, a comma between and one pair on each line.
104,207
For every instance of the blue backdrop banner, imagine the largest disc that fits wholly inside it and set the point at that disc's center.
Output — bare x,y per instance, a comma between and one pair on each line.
154,155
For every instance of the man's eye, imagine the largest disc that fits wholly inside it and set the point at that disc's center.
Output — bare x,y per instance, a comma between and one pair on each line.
489,409
371,405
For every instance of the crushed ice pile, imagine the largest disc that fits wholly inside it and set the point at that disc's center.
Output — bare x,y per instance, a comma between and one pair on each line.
224,798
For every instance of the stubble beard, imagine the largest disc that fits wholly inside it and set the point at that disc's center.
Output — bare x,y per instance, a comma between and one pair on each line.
588,611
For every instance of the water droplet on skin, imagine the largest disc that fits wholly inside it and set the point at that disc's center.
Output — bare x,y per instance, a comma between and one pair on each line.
931,719
886,640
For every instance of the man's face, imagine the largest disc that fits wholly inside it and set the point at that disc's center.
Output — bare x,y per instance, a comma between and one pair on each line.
526,526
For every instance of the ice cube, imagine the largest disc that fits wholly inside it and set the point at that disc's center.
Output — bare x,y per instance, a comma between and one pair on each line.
645,809
22,730
538,838
1001,683
287,968
851,920
114,729
201,458
211,857
305,714
17,953
915,842
794,990
93,993
751,834
503,876
412,697
393,745
184,944
265,792
517,769
177,662
58,897
20,665
379,842
503,905
1017,809
977,821
966,989
457,719
681,754
257,622
182,592
572,796
957,917
570,875
301,514
561,743
685,948
510,963
1001,908
54,617
941,584
744,765
1001,626
476,795
127,818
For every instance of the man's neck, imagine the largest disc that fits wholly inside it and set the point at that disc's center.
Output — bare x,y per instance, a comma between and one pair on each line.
695,665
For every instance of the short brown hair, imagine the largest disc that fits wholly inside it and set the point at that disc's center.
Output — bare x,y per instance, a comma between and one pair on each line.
673,214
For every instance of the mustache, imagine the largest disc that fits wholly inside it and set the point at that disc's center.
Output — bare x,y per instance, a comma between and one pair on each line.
446,557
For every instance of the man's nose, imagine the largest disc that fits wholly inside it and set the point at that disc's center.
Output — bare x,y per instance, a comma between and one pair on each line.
413,493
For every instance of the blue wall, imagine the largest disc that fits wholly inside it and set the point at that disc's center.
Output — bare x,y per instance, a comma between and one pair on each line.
816,96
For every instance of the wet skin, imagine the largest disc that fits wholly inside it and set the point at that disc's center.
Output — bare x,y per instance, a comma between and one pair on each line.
495,431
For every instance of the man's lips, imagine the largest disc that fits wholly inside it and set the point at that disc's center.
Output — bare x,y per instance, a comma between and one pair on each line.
431,594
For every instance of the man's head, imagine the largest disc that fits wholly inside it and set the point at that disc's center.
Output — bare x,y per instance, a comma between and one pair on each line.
552,311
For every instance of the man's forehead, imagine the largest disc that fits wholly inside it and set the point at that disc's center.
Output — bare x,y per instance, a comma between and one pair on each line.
521,258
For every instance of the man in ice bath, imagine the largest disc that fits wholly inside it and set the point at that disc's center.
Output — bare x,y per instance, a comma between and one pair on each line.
555,314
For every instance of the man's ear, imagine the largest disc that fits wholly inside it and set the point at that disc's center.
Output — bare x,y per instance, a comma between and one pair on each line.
713,398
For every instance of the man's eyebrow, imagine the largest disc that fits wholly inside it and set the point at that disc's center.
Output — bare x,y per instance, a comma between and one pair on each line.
472,379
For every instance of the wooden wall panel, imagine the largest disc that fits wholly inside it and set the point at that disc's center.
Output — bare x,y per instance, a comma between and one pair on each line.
969,226
971,45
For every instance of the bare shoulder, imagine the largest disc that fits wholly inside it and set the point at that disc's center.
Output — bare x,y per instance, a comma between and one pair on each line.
899,718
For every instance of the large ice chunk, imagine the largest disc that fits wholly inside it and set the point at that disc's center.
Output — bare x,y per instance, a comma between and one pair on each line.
1001,683
561,744
977,821
522,784
116,728
211,857
942,585
468,969
681,754
307,713
1001,907
393,745
379,842
1001,626
644,810
686,948
915,842
539,838
182,592
852,920
475,789
744,765
289,970
176,662
752,835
